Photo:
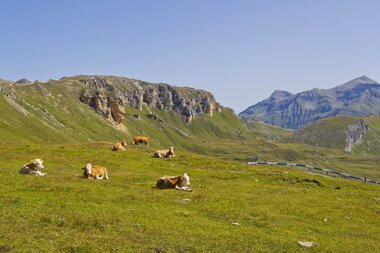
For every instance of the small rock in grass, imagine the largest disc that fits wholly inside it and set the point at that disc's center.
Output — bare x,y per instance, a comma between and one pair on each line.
307,244
377,199
184,201
325,219
235,223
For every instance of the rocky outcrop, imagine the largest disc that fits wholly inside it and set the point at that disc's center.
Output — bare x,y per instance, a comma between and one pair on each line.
359,97
355,134
110,108
109,96
23,81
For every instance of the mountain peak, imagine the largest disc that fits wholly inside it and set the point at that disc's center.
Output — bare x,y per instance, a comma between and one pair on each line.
280,94
355,82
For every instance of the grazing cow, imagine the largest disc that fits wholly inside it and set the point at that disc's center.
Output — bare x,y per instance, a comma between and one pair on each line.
95,172
140,139
164,153
174,182
33,168
119,146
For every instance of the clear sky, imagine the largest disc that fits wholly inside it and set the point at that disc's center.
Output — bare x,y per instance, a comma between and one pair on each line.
239,50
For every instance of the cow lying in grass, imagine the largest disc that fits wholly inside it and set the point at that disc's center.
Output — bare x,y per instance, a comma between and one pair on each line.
140,139
33,168
95,172
119,146
174,182
164,153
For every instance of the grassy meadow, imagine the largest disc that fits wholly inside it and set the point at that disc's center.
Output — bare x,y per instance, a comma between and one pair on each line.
233,207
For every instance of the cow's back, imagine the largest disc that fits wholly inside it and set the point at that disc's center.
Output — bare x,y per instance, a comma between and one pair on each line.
167,182
27,168
98,170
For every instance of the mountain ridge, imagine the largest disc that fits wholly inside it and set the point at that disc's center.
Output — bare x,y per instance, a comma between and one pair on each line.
358,97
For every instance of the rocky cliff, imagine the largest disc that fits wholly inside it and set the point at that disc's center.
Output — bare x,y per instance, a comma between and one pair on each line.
109,95
355,134
358,97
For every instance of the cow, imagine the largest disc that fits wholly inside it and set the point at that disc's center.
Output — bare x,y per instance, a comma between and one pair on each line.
119,146
33,168
95,172
181,183
164,153
140,139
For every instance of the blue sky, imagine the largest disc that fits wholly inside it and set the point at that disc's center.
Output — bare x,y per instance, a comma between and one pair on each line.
239,50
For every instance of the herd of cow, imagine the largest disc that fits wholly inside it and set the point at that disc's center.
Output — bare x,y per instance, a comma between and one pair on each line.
181,182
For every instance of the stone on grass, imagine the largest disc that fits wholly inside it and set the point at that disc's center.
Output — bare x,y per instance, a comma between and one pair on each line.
307,244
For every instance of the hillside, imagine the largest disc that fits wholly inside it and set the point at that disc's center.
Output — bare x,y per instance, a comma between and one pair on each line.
84,109
352,134
80,108
358,97
270,132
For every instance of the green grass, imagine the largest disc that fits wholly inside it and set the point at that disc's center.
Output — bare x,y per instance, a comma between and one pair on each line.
275,206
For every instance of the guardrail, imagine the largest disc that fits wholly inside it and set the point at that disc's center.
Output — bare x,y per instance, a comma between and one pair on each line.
344,175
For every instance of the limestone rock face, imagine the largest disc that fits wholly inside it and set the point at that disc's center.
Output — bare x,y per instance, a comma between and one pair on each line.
110,108
355,134
108,96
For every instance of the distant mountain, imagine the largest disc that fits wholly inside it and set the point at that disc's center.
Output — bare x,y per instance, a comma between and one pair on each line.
359,97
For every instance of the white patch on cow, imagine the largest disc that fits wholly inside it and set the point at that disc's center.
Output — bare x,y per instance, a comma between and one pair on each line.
88,168
39,173
97,177
185,180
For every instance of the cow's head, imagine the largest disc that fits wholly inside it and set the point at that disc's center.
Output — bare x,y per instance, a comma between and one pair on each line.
171,151
123,143
184,181
87,170
38,164
133,142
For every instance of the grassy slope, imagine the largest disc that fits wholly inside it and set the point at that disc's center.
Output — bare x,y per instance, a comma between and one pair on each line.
331,133
275,206
221,135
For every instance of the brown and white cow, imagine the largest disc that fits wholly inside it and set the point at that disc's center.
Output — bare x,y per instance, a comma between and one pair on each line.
174,182
119,146
95,172
140,139
164,153
33,168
